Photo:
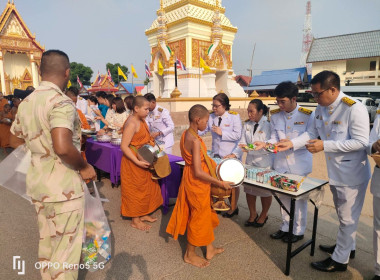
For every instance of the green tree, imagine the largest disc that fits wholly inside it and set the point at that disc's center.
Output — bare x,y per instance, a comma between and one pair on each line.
83,72
113,70
146,81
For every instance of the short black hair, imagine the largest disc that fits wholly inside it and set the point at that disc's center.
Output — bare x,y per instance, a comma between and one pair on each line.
128,100
286,89
101,94
223,99
197,110
259,105
150,97
50,65
74,90
327,79
120,107
93,99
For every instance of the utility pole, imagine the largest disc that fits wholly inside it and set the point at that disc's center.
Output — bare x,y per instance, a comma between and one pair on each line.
250,69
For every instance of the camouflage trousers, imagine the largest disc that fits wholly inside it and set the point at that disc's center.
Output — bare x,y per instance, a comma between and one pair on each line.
61,233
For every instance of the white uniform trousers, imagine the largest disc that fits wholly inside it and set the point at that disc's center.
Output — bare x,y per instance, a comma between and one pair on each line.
376,233
300,215
348,203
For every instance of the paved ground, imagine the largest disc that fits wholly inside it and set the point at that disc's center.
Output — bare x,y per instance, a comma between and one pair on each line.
250,253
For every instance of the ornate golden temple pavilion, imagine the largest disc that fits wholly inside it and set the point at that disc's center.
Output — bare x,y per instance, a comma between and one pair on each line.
20,53
190,30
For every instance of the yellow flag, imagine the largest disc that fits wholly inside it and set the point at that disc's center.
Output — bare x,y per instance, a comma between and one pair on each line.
120,73
69,84
133,70
202,64
160,68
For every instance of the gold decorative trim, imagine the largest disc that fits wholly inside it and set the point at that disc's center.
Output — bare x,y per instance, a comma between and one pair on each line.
195,3
188,76
194,20
11,8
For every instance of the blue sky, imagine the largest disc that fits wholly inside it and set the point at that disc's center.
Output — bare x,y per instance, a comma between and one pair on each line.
94,32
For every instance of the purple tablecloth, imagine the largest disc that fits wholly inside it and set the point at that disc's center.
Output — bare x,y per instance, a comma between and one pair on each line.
107,157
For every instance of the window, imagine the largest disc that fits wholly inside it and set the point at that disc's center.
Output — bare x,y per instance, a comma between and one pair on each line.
372,66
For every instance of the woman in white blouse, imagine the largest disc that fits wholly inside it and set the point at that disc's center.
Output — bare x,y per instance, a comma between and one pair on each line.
256,128
116,116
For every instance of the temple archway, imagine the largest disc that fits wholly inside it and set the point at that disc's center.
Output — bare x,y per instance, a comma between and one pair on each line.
221,75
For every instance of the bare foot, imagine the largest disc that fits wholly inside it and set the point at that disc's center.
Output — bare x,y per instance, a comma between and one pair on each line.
195,260
148,218
137,223
212,251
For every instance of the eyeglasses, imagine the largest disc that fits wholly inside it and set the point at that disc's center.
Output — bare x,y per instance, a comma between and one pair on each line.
216,106
318,94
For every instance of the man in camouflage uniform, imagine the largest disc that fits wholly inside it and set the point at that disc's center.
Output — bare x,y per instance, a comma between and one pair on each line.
47,122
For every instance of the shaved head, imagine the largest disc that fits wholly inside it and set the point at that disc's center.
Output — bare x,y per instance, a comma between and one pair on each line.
54,63
139,101
197,111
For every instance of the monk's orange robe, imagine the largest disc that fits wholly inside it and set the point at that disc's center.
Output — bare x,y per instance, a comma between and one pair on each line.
83,120
3,102
193,210
5,131
140,195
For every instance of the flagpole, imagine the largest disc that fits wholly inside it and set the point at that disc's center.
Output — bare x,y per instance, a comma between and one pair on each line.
175,73
132,80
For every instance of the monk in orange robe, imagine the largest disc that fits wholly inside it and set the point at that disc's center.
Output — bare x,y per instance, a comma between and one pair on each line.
140,194
83,120
3,102
193,210
6,118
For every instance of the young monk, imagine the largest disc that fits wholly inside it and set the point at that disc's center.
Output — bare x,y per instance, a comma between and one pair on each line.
193,207
140,194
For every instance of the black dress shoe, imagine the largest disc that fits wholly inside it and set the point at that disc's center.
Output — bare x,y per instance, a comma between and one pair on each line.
278,234
251,224
258,225
330,250
227,215
329,265
376,277
294,239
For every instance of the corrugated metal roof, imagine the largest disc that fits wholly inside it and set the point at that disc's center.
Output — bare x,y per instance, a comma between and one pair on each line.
275,79
348,46
128,86
269,87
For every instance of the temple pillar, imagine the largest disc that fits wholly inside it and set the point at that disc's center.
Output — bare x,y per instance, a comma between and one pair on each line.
209,80
169,84
33,66
2,74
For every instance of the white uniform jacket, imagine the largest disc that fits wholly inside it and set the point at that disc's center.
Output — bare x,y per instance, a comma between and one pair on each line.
159,120
373,137
290,125
231,126
344,128
260,158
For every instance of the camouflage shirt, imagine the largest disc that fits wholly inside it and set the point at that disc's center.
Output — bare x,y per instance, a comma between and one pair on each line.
48,178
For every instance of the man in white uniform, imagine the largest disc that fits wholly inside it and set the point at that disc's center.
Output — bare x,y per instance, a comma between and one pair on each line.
288,122
374,147
343,127
160,124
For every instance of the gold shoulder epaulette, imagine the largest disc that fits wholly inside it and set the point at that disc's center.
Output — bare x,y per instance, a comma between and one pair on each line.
275,111
160,110
232,112
305,111
80,98
348,101
378,112
246,120
211,112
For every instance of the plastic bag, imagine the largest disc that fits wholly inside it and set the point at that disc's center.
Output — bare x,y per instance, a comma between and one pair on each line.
13,171
96,247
